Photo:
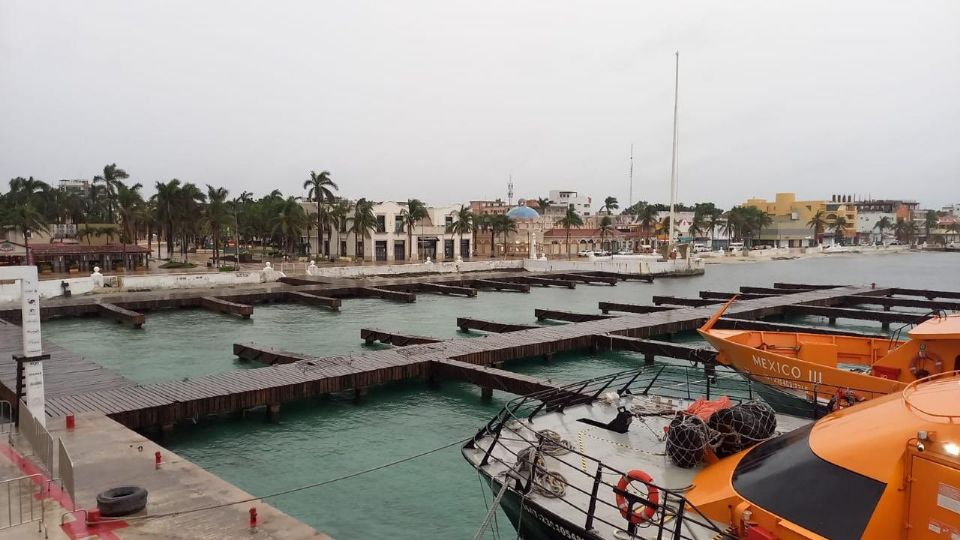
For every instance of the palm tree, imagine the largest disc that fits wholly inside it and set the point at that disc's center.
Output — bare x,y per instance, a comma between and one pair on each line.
239,202
321,189
289,222
647,218
462,223
756,221
414,213
188,215
166,201
930,220
839,228
905,229
610,204
481,222
818,223
216,215
501,224
129,213
111,178
883,224
339,213
24,218
570,219
606,227
543,203
364,221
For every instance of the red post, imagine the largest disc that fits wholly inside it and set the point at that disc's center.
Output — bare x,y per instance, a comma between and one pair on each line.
93,515
71,422
253,517
157,458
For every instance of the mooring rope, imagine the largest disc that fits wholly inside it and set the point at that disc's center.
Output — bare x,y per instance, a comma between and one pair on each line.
288,491
492,510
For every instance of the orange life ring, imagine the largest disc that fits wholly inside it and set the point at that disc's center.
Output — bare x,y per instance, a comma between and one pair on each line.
653,495
916,363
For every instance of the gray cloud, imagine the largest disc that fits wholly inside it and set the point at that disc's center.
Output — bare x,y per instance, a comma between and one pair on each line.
443,100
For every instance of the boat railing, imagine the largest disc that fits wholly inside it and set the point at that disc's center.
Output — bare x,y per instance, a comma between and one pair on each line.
517,418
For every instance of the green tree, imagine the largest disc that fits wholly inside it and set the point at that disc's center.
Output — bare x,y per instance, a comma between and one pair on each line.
610,204
501,224
883,224
289,222
840,228
129,205
238,205
112,177
217,215
543,203
320,190
819,224
25,218
364,221
339,215
166,202
462,223
414,213
930,221
606,227
646,216
570,219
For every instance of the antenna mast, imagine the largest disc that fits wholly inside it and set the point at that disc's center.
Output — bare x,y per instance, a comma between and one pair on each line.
510,190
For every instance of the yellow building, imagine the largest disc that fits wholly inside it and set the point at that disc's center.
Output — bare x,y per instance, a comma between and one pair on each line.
791,218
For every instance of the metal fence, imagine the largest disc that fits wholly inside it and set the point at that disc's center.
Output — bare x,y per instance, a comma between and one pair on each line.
6,417
39,439
66,474
25,502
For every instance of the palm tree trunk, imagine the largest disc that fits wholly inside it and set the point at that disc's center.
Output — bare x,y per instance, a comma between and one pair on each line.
568,242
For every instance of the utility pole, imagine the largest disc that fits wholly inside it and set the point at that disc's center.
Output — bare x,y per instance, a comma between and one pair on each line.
510,191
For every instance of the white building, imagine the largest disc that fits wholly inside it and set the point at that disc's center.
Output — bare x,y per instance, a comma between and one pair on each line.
561,200
391,241
867,225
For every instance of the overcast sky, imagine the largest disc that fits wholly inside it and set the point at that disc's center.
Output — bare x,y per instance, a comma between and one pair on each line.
444,100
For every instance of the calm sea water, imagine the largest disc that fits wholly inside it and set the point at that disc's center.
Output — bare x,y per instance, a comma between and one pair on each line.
437,496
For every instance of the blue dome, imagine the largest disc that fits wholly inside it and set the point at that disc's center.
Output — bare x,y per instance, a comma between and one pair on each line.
523,212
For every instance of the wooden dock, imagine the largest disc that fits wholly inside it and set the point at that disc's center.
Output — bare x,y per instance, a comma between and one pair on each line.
294,376
164,404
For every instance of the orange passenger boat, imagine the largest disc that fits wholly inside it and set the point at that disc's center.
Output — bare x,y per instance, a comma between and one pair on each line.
886,469
797,370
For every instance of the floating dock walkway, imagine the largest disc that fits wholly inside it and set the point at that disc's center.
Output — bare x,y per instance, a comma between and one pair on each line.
295,376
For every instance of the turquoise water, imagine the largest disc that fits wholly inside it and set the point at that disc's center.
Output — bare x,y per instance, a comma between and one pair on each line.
437,496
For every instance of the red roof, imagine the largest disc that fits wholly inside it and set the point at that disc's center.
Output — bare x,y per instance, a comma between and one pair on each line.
59,248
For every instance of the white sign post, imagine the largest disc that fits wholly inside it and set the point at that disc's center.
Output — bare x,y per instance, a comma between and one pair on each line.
32,357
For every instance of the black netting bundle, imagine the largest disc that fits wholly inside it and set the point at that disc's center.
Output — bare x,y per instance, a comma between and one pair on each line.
766,420
686,440
725,438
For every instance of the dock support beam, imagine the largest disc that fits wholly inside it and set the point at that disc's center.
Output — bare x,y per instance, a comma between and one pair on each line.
486,393
359,394
273,413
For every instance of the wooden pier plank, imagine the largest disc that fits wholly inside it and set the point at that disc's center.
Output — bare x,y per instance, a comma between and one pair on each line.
313,299
394,338
607,307
122,315
466,324
500,285
227,307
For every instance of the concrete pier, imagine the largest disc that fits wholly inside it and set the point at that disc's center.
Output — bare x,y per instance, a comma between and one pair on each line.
105,455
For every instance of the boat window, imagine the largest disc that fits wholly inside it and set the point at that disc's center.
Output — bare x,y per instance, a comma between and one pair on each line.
785,477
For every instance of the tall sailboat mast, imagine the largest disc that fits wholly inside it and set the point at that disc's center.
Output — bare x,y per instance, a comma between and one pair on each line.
675,164
631,177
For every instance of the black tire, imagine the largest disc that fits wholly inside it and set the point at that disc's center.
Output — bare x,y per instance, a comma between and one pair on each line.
122,501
